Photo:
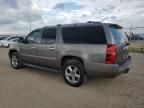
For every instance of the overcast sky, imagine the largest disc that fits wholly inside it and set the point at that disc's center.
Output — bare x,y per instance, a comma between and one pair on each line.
15,15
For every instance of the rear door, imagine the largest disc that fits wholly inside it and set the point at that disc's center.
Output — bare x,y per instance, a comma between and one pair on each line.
47,48
121,40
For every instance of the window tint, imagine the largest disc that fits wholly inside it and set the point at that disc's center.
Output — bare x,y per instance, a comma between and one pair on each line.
84,35
118,35
33,37
49,36
10,38
1,38
15,40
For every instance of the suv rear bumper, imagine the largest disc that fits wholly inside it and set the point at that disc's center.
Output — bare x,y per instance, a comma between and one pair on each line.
94,68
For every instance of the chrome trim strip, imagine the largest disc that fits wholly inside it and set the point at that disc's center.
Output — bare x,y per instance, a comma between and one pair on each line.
28,55
38,56
46,57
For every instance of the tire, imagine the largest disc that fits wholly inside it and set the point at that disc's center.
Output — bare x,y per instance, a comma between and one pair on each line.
15,60
73,72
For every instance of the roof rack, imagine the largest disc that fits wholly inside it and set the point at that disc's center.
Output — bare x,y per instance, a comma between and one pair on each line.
58,24
92,22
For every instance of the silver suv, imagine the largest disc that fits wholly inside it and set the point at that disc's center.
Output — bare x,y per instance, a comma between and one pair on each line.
75,49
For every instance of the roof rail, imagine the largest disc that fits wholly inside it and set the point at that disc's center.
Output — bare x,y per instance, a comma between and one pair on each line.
58,24
92,22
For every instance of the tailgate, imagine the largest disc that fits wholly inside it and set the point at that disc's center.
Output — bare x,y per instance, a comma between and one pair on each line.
122,43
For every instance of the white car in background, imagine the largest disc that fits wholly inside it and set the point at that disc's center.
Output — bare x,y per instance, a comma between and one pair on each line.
2,37
2,42
11,41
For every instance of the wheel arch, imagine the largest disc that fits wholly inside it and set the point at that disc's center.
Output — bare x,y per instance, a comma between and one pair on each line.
64,58
12,51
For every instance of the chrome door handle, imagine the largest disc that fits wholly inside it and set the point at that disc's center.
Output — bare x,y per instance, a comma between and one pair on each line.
51,48
33,47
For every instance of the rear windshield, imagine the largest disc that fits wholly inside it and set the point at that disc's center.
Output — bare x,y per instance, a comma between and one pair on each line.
119,35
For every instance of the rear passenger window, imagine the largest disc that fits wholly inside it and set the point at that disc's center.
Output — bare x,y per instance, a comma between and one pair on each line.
84,35
49,36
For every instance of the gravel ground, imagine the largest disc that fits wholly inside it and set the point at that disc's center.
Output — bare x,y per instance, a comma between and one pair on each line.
35,88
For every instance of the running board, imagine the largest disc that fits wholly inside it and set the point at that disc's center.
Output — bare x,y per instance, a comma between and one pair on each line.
42,68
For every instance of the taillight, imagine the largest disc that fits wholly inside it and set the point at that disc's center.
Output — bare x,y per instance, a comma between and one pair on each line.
111,54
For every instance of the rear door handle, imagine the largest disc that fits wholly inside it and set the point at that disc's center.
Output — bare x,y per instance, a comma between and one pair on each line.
33,47
51,48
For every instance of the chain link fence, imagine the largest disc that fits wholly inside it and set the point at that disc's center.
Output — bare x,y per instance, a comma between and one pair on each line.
136,38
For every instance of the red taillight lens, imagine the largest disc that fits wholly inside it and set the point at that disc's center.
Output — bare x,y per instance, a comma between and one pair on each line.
111,54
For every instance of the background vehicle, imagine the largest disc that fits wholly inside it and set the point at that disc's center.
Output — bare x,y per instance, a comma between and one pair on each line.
76,49
135,37
2,37
2,42
11,41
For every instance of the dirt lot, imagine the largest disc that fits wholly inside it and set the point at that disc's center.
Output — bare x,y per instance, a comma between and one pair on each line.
34,88
137,42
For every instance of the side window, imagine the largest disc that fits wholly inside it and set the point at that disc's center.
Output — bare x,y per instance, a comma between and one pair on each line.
49,36
84,35
33,37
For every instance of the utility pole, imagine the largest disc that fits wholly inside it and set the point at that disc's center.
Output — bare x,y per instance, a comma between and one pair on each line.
131,29
30,25
29,22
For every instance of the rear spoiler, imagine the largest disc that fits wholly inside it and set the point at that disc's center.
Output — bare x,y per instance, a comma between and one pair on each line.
116,26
